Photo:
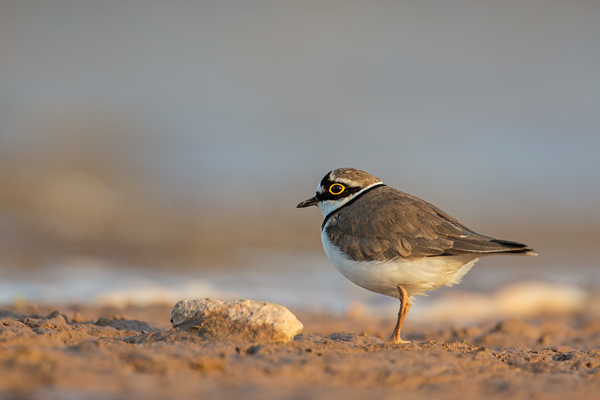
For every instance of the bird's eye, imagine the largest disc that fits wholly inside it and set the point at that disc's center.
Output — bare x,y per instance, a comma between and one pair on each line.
336,189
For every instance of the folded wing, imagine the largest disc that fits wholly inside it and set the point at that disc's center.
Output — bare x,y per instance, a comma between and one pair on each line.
387,223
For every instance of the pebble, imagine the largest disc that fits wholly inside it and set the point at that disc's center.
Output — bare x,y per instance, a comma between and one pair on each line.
241,320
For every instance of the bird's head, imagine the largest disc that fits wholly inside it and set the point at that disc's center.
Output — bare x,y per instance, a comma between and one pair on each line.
339,187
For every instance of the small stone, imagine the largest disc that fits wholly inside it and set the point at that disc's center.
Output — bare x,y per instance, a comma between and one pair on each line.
244,320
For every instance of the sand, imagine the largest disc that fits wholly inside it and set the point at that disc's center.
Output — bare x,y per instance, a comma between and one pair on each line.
131,353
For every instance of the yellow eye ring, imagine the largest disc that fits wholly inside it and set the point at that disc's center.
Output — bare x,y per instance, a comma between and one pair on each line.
336,189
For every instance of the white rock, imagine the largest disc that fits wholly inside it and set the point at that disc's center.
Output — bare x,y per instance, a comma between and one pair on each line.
255,321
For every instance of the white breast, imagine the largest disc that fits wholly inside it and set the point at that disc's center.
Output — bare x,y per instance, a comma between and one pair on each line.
416,276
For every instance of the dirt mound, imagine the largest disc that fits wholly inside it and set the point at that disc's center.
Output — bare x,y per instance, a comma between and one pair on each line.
61,354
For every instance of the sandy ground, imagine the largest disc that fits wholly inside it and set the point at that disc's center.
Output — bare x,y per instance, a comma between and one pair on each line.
98,352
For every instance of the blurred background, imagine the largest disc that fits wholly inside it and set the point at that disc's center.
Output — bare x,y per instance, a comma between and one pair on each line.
155,150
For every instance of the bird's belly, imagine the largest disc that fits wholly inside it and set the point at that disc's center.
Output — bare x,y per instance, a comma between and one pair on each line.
416,276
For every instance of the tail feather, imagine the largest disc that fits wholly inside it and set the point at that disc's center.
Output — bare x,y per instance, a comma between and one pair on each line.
513,247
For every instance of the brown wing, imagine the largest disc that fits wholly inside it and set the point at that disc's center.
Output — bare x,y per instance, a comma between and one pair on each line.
386,223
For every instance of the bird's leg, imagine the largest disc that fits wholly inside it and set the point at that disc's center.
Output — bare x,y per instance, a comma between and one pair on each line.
404,307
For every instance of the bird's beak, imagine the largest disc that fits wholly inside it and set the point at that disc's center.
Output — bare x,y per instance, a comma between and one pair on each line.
307,203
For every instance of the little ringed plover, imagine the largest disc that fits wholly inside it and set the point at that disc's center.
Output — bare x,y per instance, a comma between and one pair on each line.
393,243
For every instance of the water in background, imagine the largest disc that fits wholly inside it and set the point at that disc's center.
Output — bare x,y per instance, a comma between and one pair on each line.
308,283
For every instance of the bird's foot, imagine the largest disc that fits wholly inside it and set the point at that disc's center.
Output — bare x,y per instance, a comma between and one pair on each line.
397,340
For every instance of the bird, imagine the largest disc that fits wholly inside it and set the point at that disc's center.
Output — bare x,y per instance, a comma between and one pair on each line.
393,243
